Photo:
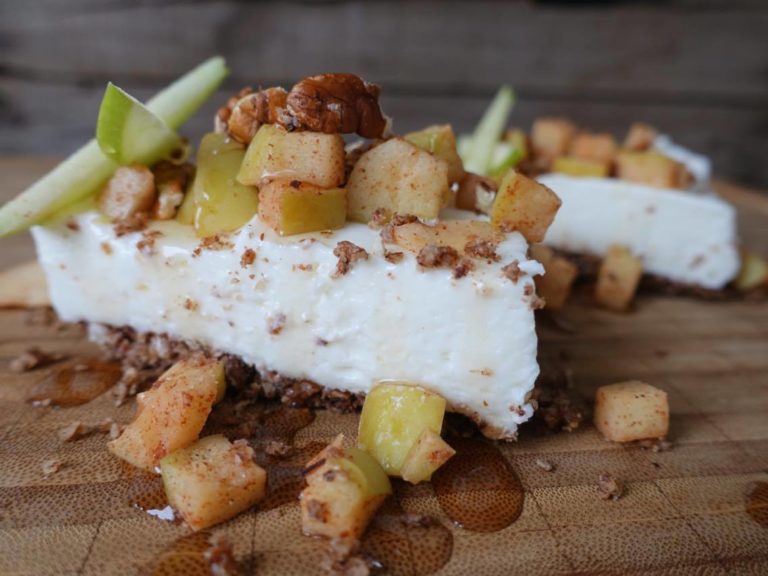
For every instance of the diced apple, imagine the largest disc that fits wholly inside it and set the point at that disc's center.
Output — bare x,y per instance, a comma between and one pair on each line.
345,487
551,137
212,480
640,137
580,168
293,207
525,206
476,193
454,233
394,416
310,157
618,278
599,148
440,141
397,177
217,202
171,414
630,411
518,139
651,168
559,275
130,191
753,273
427,455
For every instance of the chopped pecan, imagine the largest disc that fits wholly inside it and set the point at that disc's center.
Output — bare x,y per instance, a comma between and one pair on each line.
513,272
129,192
464,267
337,103
347,253
171,181
254,109
433,256
223,114
608,488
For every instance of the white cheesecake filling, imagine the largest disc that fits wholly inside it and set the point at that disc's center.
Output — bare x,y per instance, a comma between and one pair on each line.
681,236
471,339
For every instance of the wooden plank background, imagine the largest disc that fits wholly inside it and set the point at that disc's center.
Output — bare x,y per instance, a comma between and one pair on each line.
696,68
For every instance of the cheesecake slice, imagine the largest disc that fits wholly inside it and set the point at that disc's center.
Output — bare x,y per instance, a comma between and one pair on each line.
318,266
286,305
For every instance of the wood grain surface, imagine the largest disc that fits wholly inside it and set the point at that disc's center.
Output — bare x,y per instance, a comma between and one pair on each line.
695,68
699,508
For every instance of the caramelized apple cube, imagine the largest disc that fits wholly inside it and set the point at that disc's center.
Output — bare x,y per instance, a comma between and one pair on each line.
293,207
440,141
309,157
454,233
630,411
394,416
130,191
580,168
640,137
397,177
618,278
171,414
217,202
212,480
651,168
551,137
598,148
753,272
558,278
345,487
427,455
525,206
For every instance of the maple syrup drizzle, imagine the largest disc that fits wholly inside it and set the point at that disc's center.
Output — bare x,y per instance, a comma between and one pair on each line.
477,488
76,382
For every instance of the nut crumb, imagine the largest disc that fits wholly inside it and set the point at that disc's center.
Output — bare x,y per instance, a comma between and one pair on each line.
77,430
132,223
106,247
608,488
393,257
463,268
545,465
51,466
277,448
31,359
220,557
191,304
147,243
303,267
388,232
276,323
248,257
482,249
655,445
433,256
512,271
73,225
347,253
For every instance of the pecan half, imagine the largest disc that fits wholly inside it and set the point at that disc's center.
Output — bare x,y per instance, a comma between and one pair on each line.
254,109
337,103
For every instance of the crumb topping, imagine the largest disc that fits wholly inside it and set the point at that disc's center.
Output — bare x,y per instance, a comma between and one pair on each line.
433,256
147,243
248,257
347,253
388,232
393,257
482,249
608,488
512,271
276,323
463,268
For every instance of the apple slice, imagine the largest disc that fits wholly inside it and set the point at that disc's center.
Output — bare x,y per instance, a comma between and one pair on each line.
82,174
128,132
488,132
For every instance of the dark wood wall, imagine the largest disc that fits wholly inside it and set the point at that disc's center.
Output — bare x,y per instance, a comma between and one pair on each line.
697,69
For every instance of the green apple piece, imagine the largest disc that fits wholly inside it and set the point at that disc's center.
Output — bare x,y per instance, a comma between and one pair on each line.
212,480
293,207
524,205
85,172
440,141
128,132
580,168
171,414
505,156
753,272
217,202
345,487
427,455
275,153
488,132
394,416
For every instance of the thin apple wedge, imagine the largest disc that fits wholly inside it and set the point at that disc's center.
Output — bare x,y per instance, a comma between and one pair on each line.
172,413
212,480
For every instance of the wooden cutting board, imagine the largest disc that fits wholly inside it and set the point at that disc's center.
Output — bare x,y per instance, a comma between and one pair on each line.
698,508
